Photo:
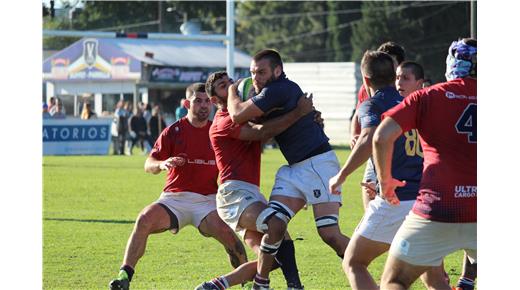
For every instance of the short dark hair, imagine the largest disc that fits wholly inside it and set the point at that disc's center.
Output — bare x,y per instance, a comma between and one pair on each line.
394,50
417,69
210,82
378,66
270,54
194,88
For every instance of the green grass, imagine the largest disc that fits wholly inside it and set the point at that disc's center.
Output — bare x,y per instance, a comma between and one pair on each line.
90,204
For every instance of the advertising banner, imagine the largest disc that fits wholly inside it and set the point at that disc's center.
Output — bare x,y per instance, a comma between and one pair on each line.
187,75
76,136
91,59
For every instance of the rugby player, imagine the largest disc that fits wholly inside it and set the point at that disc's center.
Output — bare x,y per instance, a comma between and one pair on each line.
184,151
239,201
311,163
444,216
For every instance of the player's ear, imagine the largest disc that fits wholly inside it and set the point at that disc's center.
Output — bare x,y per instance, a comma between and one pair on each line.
277,71
186,104
366,82
213,100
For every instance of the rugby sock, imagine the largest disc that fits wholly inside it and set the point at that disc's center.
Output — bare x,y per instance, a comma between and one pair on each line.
260,282
466,284
126,272
285,257
221,282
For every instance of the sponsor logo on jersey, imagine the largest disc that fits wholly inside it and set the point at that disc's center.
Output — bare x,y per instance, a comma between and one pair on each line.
201,161
464,191
451,96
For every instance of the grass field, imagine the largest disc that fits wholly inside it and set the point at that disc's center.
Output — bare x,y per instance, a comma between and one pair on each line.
90,204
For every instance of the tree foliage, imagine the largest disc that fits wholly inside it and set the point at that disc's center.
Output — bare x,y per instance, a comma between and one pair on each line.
299,30
303,31
424,29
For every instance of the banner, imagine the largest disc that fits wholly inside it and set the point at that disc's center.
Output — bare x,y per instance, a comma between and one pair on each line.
76,136
91,59
187,75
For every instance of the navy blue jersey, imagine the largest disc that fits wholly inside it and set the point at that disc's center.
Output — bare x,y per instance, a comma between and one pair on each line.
300,140
407,158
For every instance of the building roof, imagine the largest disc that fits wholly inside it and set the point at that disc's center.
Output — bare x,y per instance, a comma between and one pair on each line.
109,58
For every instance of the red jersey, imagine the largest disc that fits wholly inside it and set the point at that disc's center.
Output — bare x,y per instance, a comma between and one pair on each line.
446,118
236,159
199,173
362,96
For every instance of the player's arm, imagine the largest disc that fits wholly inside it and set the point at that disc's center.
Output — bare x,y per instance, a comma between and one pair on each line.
241,112
383,147
355,129
275,126
154,166
359,155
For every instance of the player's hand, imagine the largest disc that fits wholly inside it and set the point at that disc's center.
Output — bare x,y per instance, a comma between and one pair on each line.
318,119
369,189
304,105
353,141
388,190
172,162
335,184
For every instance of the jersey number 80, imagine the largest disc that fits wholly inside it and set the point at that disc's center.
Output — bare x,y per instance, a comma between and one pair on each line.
412,146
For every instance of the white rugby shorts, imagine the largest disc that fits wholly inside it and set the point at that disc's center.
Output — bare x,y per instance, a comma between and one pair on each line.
425,243
308,179
382,220
190,208
233,197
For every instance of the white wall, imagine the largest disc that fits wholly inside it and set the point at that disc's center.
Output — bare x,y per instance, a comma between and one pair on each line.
79,88
334,86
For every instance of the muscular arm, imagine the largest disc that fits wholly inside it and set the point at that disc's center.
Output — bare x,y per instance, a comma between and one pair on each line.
383,146
277,125
241,112
355,130
154,166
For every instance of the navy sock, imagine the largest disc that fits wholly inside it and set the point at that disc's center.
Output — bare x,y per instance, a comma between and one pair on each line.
129,270
466,283
287,261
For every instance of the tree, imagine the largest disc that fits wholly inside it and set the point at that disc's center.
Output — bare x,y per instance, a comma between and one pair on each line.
299,30
425,29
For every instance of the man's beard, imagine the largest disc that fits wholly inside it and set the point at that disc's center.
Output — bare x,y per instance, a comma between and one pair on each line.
273,78
202,116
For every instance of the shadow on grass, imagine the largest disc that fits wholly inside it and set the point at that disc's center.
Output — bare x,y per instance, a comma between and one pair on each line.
90,220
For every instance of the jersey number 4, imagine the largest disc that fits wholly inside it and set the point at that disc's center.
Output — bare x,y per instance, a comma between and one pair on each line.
467,123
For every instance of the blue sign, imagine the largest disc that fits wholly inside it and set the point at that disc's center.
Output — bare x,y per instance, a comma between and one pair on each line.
71,133
76,136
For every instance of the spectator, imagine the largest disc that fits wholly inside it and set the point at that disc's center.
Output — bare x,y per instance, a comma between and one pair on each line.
55,103
58,112
46,114
181,111
147,111
119,128
52,103
87,112
156,124
138,132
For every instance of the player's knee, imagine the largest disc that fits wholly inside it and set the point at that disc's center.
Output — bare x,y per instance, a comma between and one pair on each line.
274,218
144,224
